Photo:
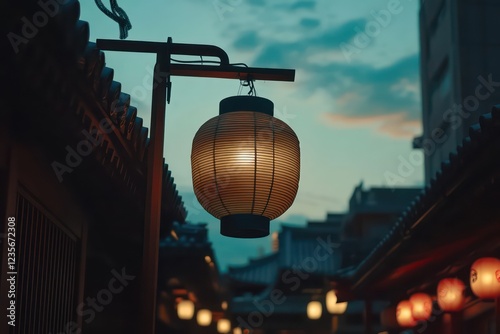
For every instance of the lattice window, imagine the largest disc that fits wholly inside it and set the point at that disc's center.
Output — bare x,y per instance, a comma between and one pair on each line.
48,259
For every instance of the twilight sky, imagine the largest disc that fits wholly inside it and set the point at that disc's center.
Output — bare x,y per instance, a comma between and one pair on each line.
355,102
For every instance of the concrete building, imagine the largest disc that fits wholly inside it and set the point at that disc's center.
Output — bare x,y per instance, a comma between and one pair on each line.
460,73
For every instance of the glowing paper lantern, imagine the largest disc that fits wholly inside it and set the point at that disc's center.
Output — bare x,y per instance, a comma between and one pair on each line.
223,326
237,330
331,303
339,308
421,306
245,166
404,315
485,278
204,317
314,310
185,309
331,300
450,294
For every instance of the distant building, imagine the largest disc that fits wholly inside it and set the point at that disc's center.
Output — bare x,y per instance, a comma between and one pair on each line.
188,271
271,293
309,260
460,73
334,221
372,213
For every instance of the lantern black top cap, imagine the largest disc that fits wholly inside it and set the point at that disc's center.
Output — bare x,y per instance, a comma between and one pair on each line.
246,103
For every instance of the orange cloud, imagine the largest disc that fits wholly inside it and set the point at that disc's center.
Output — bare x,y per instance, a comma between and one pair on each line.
393,125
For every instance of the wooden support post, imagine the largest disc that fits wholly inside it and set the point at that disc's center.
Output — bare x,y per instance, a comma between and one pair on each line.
153,195
335,324
452,323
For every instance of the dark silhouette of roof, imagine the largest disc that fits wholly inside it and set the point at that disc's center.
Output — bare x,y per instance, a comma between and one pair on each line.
66,77
299,244
297,248
383,200
261,271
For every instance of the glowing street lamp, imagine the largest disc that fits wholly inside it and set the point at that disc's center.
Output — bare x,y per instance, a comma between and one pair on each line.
332,305
204,317
223,326
185,309
314,310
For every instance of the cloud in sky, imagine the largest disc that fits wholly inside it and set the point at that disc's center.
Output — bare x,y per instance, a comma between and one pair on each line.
293,53
309,23
387,98
248,40
359,93
395,125
302,5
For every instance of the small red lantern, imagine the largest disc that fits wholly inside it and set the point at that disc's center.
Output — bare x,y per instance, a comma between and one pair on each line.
404,315
485,278
450,294
421,306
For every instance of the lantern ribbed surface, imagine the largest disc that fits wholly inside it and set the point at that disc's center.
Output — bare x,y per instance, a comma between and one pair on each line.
245,166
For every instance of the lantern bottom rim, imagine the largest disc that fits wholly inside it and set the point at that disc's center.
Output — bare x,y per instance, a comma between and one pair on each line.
244,226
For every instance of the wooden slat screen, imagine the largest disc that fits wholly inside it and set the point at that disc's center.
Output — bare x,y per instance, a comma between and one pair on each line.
47,272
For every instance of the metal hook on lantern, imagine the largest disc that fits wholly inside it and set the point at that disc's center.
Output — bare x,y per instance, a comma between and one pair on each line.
248,82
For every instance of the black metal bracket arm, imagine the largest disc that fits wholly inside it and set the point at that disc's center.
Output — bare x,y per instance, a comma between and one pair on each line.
224,69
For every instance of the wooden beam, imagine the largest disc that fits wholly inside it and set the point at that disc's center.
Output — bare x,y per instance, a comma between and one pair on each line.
151,246
224,70
233,72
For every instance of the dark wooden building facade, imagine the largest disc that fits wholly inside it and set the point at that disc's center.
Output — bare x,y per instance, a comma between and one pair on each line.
72,175
451,224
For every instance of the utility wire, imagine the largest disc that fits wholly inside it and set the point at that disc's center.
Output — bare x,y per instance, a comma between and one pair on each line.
195,61
202,61
243,83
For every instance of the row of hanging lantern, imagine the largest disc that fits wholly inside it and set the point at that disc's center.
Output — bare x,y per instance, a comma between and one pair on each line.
484,283
315,308
186,310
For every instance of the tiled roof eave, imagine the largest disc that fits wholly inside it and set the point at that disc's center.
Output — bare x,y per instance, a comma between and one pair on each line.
69,72
454,172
